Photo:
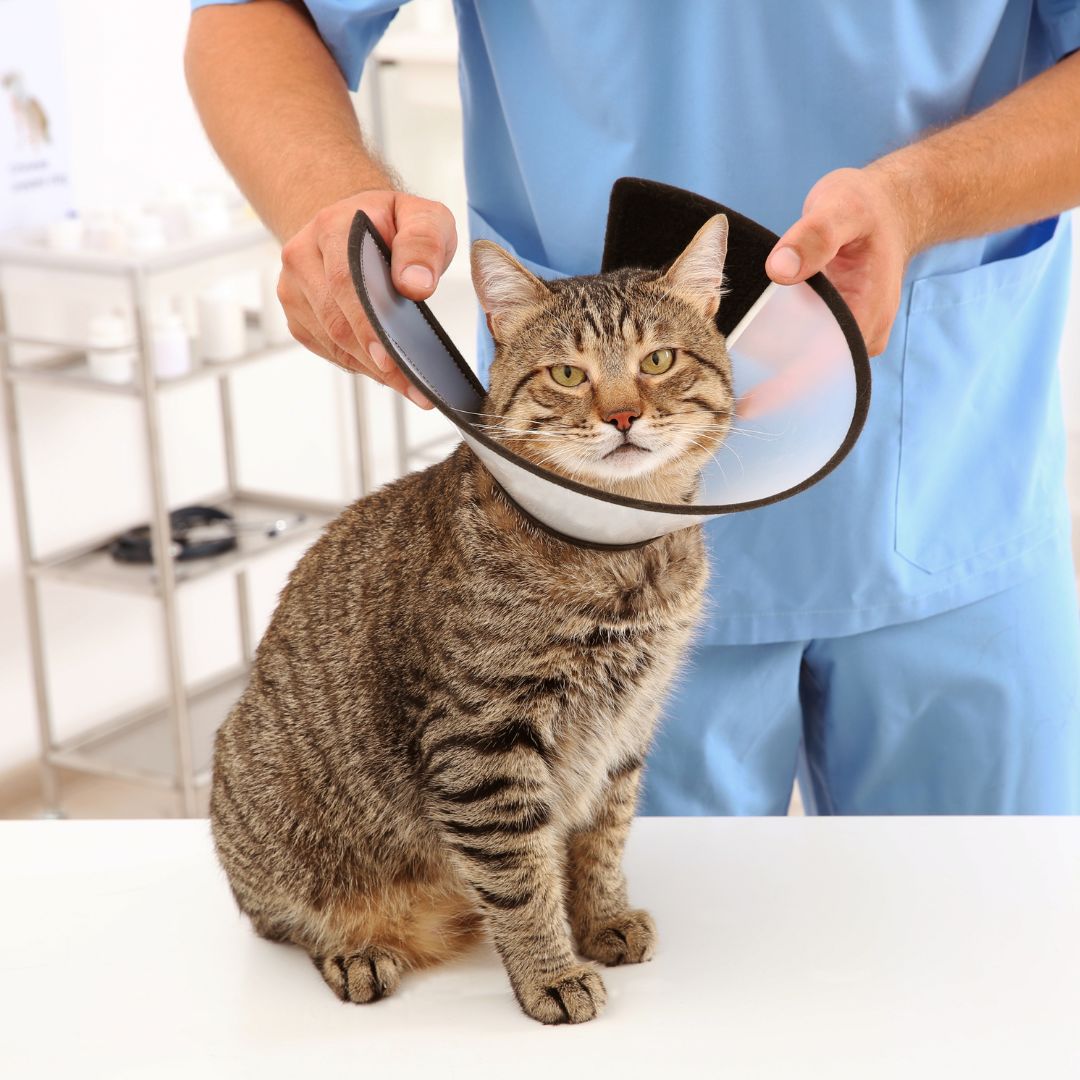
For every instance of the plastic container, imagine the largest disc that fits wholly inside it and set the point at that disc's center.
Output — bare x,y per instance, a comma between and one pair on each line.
104,232
222,325
173,208
146,233
208,215
111,353
169,346
64,234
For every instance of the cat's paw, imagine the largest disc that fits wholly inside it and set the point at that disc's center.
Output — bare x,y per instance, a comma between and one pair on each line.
362,977
571,997
629,938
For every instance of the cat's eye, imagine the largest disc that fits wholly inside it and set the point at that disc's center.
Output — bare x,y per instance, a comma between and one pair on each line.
658,362
567,375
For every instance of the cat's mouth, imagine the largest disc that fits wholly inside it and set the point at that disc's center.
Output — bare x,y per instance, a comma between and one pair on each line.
626,451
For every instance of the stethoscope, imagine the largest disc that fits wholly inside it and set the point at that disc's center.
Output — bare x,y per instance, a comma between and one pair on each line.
199,532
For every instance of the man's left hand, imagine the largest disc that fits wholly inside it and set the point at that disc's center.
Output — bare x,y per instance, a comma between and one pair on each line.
855,229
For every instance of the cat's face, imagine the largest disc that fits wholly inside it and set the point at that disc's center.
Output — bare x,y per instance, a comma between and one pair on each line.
620,380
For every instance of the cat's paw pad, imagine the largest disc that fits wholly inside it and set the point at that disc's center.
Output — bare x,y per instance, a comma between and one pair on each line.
362,977
571,997
629,938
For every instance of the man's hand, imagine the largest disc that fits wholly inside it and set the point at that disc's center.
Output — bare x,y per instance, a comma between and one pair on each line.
854,227
1015,162
316,288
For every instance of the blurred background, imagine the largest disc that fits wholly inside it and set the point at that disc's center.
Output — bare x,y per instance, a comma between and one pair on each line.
147,369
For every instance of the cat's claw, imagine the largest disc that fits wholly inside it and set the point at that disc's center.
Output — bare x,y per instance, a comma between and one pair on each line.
571,997
629,938
362,977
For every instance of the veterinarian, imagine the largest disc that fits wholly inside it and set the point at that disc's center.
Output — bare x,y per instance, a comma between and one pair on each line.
907,629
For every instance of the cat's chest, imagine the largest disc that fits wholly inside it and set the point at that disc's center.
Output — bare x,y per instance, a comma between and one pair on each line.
610,710
645,590
600,638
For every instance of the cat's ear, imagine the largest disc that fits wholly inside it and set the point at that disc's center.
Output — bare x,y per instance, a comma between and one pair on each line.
698,273
503,286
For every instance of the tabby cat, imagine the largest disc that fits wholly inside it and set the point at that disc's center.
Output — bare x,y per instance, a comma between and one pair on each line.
446,721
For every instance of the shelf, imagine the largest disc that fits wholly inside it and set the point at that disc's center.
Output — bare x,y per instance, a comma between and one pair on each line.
15,251
94,565
70,368
139,746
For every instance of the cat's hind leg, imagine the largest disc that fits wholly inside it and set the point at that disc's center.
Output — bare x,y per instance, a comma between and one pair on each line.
363,944
364,976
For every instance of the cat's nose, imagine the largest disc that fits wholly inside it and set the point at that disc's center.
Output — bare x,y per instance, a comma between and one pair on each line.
622,419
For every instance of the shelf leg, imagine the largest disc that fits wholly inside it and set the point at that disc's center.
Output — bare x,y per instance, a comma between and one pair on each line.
243,607
161,541
363,447
50,788
401,435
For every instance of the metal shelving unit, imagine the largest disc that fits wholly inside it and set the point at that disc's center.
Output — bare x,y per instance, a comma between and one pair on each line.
168,742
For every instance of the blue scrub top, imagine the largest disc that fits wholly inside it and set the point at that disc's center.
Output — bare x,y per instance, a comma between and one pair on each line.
956,488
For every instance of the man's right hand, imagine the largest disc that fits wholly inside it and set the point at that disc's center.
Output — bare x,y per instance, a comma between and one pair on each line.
316,288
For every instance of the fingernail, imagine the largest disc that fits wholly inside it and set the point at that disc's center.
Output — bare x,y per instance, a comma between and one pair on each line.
378,354
784,262
417,277
417,398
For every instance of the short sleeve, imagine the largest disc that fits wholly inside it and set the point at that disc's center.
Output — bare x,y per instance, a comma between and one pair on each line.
350,28
1061,23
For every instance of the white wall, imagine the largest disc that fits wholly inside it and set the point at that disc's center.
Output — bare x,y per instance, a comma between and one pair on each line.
122,59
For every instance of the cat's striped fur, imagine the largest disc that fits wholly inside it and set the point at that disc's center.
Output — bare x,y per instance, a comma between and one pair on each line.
447,718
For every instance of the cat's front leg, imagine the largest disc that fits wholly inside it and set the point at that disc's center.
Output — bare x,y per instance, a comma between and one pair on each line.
605,926
492,796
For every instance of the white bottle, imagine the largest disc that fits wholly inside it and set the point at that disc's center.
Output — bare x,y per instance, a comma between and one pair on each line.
173,208
169,346
111,353
209,215
222,325
145,233
102,231
274,322
65,234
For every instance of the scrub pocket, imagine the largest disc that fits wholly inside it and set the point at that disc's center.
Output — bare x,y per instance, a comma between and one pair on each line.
981,444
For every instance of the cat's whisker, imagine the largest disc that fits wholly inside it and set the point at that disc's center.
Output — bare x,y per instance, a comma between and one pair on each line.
727,446
714,456
767,436
547,430
521,434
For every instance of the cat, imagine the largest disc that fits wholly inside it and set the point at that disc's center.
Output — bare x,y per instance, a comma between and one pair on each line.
447,718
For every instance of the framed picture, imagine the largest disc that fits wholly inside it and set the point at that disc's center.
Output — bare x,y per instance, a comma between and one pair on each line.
35,184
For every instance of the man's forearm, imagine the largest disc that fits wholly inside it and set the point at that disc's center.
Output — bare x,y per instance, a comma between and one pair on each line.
279,115
1015,162
277,111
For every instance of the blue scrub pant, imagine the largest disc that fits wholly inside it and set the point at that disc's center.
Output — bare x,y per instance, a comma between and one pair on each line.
974,711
